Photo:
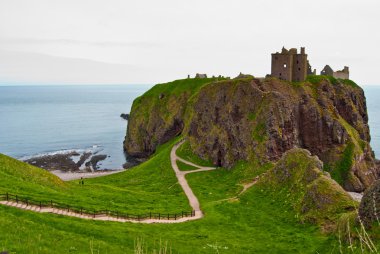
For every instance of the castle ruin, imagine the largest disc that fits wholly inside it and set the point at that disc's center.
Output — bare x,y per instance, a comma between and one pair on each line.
292,66
289,65
343,74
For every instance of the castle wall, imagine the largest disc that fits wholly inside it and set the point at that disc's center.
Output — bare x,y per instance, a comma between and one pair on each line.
341,75
299,67
282,66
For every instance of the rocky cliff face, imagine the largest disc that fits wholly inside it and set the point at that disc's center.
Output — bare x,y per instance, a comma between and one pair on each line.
250,119
369,209
157,116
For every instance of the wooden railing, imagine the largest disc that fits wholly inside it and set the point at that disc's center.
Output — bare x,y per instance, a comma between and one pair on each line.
93,213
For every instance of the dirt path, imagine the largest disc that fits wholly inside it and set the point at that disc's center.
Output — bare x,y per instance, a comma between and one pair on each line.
68,176
193,200
194,203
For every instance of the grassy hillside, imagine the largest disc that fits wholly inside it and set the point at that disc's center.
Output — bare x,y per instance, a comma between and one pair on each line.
151,186
255,222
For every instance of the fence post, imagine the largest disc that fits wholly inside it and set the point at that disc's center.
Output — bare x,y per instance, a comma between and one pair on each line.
40,205
51,203
150,215
175,216
117,215
27,202
7,196
81,211
16,199
159,216
94,213
68,208
182,214
138,217
168,216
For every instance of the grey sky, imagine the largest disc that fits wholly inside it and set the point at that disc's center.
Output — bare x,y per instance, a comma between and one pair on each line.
125,41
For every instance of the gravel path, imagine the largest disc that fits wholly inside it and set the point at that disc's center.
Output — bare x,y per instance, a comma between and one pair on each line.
68,176
193,200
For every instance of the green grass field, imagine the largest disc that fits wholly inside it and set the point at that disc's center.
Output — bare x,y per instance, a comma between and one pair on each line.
185,152
185,167
255,223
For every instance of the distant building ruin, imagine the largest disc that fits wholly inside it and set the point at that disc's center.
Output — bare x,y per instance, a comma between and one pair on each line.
343,74
241,75
289,65
198,75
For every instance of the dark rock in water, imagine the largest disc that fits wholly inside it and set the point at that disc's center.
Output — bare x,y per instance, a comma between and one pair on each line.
83,158
61,162
96,159
369,209
125,116
244,119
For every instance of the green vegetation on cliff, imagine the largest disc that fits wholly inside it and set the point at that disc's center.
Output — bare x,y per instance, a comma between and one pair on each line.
185,152
314,196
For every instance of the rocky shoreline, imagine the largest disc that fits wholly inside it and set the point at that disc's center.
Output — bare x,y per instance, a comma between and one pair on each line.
73,161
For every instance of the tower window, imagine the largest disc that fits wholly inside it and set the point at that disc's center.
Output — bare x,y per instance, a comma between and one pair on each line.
299,69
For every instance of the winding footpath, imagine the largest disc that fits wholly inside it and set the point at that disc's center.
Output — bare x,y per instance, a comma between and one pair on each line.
193,200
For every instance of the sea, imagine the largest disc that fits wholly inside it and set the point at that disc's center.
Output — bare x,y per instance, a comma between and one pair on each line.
50,119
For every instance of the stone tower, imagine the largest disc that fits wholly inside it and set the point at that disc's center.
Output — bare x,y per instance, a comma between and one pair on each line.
289,65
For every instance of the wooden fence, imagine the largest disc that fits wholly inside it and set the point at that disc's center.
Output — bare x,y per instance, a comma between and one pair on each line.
94,213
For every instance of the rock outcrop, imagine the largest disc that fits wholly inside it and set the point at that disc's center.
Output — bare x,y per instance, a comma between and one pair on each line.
251,119
369,209
298,179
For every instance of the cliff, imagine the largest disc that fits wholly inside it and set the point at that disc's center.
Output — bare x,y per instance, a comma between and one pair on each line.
250,119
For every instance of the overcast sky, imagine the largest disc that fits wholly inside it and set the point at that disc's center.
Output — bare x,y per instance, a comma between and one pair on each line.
140,41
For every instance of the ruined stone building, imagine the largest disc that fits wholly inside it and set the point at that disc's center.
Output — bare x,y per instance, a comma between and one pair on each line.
289,65
199,75
293,66
343,74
